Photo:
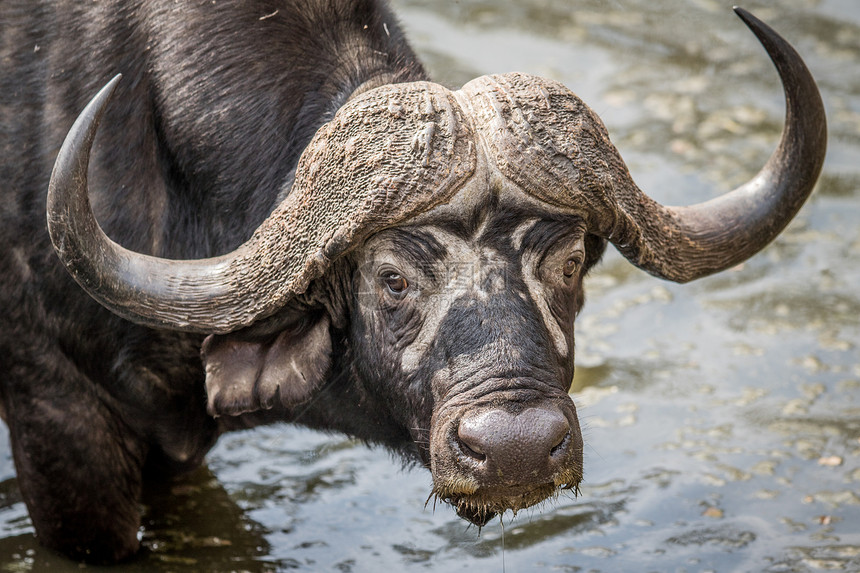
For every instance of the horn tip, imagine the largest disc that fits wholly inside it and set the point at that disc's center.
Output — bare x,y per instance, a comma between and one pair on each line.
109,88
759,28
747,17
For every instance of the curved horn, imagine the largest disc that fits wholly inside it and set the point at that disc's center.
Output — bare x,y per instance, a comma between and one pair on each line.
148,290
686,243
360,173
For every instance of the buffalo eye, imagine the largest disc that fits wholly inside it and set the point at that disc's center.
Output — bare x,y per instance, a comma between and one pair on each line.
570,267
395,282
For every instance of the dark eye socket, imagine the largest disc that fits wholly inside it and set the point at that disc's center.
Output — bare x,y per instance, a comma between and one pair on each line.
395,282
570,267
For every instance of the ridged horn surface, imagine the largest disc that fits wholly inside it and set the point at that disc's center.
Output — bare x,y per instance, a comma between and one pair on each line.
548,142
372,166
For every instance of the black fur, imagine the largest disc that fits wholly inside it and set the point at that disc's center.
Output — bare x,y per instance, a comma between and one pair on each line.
217,103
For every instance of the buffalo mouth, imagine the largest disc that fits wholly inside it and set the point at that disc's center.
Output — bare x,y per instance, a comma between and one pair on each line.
503,455
480,506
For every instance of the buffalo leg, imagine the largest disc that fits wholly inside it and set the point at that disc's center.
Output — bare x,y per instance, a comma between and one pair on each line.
79,466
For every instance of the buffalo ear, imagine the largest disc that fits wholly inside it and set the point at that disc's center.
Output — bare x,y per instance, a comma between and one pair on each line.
249,375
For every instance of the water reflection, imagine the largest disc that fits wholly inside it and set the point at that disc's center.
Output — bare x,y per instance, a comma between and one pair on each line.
721,418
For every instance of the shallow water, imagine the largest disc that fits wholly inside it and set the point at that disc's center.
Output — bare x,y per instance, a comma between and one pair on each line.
721,418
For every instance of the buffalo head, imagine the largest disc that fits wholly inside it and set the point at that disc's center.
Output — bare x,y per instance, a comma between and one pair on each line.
457,227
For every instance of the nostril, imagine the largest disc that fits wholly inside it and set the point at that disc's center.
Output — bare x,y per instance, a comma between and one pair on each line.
471,452
472,437
561,446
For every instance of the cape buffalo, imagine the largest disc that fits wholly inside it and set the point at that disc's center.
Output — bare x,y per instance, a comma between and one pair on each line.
311,232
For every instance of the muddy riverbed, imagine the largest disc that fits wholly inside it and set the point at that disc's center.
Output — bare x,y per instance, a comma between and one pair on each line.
721,418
